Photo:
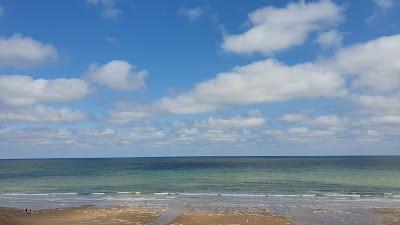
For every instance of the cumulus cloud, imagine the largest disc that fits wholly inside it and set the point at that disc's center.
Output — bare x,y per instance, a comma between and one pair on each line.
330,121
375,64
41,114
301,134
276,29
125,117
326,120
330,39
259,82
19,51
19,90
382,120
232,122
191,13
117,75
378,103
293,117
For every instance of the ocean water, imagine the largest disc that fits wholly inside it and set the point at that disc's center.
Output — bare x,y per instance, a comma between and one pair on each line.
297,187
266,176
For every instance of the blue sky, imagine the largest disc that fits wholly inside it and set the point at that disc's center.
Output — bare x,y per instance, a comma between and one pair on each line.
110,78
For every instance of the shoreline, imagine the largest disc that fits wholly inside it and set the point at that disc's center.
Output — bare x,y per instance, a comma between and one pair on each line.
204,211
156,215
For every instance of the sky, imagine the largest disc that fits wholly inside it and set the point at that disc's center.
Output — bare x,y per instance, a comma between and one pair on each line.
119,78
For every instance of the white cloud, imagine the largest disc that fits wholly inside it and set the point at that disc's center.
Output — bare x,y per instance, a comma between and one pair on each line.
19,51
109,11
384,4
326,120
125,117
276,29
117,75
293,117
298,130
330,39
145,134
259,82
378,103
191,13
376,63
41,114
18,90
233,122
108,132
301,135
385,119
330,121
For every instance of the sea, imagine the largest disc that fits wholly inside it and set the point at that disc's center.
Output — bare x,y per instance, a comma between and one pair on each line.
276,182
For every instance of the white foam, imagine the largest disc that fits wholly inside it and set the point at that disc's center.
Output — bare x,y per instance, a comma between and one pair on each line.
25,194
161,193
98,193
282,195
66,193
308,195
243,195
198,194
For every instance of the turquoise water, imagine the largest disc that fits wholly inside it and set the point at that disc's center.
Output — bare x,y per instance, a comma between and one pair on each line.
311,176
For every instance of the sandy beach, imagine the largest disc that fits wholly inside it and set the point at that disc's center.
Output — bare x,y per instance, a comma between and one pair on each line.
390,216
80,215
133,215
202,218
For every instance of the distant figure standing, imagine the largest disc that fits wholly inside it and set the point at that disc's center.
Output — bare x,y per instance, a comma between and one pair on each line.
26,210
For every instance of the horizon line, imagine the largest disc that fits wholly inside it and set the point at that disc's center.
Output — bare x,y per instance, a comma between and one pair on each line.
204,156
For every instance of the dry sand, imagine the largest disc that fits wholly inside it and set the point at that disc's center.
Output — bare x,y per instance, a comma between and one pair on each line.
390,216
223,218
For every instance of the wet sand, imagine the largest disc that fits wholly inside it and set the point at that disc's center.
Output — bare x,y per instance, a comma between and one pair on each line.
159,215
227,218
390,216
133,215
82,215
